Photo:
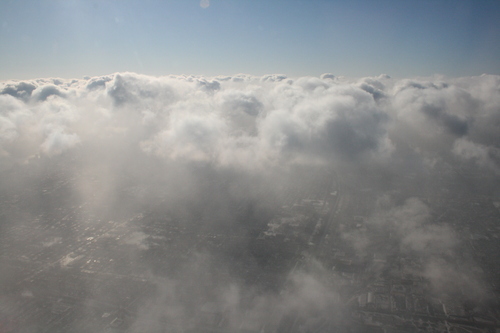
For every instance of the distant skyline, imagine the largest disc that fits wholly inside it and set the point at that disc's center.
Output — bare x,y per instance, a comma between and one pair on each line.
74,38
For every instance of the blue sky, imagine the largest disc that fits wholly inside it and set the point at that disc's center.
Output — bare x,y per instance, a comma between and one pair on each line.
73,38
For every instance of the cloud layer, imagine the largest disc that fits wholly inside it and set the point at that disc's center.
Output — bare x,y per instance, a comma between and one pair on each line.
226,153
257,122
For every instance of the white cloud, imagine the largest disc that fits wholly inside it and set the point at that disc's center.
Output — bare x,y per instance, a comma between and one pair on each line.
262,118
484,156
188,137
57,141
413,226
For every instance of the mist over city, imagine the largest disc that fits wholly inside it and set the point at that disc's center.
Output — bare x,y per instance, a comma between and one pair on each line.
134,203
232,166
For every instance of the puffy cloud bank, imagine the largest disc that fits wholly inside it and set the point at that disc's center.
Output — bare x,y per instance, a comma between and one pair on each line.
229,151
257,122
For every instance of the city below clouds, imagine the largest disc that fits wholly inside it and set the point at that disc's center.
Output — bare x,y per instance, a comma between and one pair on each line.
247,203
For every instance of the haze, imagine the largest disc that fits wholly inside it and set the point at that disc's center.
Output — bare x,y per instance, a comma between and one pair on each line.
325,196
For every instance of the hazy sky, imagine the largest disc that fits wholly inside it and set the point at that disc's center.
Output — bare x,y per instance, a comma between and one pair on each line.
73,38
